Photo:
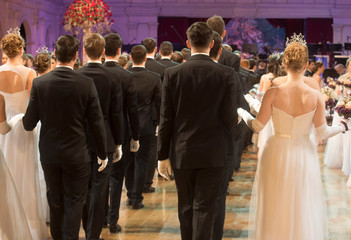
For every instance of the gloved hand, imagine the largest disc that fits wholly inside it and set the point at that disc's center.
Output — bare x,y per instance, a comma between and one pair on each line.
118,154
254,104
164,168
134,145
103,164
15,119
156,132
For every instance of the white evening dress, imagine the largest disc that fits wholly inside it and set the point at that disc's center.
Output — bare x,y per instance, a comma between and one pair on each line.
21,155
287,198
13,222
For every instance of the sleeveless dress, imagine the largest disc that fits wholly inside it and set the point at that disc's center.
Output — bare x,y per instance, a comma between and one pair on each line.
287,199
21,155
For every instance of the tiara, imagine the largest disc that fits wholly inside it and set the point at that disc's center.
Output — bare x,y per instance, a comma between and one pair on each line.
276,54
15,30
43,49
296,39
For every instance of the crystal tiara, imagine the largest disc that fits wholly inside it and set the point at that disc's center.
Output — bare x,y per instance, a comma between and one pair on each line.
296,39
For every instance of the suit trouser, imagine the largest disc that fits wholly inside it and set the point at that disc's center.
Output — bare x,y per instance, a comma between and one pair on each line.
116,183
197,194
94,209
67,187
152,164
136,170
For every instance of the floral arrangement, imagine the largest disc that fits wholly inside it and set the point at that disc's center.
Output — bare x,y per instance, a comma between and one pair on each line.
345,80
343,108
86,15
329,97
331,82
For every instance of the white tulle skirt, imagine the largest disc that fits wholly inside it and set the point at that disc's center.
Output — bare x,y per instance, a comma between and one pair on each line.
287,199
263,136
334,154
13,222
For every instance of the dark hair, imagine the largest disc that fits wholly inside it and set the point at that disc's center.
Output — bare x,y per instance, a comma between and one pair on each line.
177,57
186,53
252,63
149,44
93,44
138,53
77,64
123,60
217,24
317,65
41,62
216,46
166,48
27,57
199,35
274,64
113,42
66,48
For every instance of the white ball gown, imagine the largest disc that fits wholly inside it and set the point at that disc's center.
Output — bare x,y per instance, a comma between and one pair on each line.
287,198
21,156
13,222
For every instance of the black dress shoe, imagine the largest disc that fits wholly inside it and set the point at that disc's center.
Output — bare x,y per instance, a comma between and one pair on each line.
149,190
138,205
114,228
129,202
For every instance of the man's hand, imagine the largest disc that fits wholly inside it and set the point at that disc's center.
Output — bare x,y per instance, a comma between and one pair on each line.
103,164
164,169
134,145
118,154
156,132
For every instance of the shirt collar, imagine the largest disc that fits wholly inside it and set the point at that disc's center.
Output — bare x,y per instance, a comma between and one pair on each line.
64,67
200,54
111,60
94,61
150,57
138,66
166,58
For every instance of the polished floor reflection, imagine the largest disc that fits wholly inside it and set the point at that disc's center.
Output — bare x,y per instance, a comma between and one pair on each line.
159,220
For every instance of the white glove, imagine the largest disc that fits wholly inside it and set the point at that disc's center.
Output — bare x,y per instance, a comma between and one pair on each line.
103,164
156,132
118,154
6,126
325,131
164,168
254,104
134,145
251,122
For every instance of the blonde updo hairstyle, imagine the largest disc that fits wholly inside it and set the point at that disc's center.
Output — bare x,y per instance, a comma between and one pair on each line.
12,44
295,56
42,62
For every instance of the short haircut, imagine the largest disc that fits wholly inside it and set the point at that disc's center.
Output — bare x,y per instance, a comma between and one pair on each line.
27,56
217,24
186,53
138,54
149,44
245,64
199,35
66,48
166,48
227,47
94,44
177,57
113,42
216,46
252,63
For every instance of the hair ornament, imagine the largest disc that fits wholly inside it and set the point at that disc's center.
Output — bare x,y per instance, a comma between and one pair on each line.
43,49
296,39
15,30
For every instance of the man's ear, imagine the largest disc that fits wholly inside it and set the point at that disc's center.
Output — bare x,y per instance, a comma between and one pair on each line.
188,44
224,33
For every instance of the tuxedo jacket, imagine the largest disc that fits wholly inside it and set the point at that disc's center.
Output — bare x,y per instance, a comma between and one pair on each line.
199,102
109,89
148,86
229,59
248,79
64,101
130,104
154,66
168,63
308,73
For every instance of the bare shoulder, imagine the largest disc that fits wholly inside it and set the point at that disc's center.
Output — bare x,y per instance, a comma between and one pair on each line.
279,80
311,82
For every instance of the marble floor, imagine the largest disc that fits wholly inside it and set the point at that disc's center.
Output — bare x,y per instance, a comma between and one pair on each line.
159,220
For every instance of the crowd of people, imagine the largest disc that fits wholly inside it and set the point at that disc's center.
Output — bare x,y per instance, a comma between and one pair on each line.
74,134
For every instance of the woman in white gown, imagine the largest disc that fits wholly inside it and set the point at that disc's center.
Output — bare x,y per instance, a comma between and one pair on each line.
18,146
287,197
13,222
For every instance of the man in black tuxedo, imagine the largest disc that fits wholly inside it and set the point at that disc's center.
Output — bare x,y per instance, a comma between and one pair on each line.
130,121
166,51
64,101
153,66
109,90
227,58
309,71
198,109
148,86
